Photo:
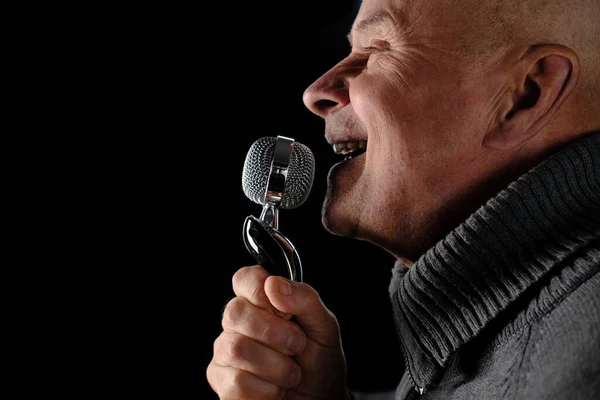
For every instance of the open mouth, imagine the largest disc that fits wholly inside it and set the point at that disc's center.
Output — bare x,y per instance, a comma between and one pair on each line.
350,149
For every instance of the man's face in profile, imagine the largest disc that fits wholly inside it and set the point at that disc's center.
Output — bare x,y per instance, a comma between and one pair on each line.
408,88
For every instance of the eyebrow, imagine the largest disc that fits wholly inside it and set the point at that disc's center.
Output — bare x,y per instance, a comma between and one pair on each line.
377,19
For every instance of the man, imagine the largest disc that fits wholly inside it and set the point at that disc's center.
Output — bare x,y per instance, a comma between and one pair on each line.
481,175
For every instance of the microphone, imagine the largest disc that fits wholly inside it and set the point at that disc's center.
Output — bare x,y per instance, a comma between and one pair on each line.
278,174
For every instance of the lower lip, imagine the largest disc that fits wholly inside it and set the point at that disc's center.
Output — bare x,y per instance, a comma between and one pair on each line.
352,156
348,158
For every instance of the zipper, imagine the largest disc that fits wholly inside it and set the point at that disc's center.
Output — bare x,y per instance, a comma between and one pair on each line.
412,395
419,390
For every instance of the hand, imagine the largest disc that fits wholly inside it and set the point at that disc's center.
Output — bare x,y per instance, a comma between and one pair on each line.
275,345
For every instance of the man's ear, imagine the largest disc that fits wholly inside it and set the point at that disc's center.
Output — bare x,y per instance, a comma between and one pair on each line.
542,80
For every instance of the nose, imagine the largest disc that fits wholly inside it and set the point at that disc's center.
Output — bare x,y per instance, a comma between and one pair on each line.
327,93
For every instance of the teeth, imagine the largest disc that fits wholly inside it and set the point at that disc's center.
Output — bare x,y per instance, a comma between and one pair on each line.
349,147
339,148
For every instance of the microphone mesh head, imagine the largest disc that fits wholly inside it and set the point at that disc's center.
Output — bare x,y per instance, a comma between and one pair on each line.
257,168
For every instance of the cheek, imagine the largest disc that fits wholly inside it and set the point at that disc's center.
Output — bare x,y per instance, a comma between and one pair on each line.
429,123
377,102
363,96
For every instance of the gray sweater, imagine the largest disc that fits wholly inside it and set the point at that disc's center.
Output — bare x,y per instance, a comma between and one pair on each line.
507,306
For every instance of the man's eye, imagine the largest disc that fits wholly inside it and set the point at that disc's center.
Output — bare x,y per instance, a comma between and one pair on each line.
371,50
377,46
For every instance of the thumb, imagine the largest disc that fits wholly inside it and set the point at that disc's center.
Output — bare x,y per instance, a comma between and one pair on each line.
303,301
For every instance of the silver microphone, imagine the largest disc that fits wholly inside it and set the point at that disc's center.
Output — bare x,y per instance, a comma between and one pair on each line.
278,174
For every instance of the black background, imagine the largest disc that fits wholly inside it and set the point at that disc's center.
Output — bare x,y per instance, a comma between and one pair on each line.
196,87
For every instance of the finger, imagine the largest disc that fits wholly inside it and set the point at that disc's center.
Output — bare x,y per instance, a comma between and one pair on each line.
248,282
238,351
241,316
232,383
303,301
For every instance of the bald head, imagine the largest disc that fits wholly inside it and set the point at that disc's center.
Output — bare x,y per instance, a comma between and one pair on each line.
494,28
489,24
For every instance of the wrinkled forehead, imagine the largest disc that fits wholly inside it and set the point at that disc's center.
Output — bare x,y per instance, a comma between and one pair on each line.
371,5
369,8
423,11
440,23
378,15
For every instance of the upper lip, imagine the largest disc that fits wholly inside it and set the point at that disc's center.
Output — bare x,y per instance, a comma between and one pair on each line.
333,138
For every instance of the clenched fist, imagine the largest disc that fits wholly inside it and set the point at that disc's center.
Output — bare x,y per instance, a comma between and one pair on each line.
279,341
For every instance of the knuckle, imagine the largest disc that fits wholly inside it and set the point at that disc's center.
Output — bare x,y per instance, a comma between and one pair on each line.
233,312
210,376
237,348
227,349
257,293
238,384
217,346
234,384
216,378
249,282
242,274
241,386
237,277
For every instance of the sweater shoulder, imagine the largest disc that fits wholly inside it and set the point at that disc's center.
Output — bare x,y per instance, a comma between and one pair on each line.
563,355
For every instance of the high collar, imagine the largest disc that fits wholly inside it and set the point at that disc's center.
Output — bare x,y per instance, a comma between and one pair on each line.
482,267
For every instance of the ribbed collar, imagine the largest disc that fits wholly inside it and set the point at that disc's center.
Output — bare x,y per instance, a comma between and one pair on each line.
466,280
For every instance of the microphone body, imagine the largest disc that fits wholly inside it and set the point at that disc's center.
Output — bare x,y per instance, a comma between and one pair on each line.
278,174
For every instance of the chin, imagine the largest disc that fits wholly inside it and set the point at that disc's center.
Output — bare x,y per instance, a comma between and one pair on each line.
336,218
399,240
343,203
332,223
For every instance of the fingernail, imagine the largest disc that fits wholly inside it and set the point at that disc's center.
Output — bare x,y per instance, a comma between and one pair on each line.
294,377
295,342
285,288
